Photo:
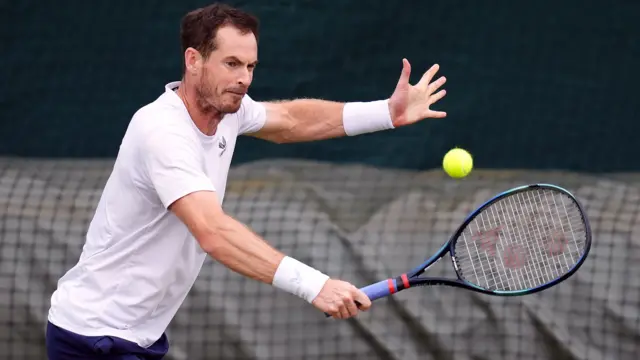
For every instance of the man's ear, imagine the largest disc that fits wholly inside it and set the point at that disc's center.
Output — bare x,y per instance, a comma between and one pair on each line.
193,61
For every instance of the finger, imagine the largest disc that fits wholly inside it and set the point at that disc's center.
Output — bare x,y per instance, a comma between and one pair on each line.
344,312
333,311
436,84
405,74
427,76
435,114
351,307
362,299
437,96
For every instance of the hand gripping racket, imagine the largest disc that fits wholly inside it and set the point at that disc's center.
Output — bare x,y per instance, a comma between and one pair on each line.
521,241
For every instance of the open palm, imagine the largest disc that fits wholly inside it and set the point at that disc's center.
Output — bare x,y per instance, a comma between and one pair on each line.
411,103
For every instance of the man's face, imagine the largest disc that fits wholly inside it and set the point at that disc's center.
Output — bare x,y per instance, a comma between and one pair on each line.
225,76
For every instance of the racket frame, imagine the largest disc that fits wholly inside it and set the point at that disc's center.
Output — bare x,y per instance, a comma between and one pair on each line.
413,279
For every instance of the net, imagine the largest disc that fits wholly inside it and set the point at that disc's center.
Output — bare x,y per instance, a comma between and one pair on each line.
358,223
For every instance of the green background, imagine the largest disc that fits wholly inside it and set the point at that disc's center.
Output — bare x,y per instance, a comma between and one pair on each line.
539,85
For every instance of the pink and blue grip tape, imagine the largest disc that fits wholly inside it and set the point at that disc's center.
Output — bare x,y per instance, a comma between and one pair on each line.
386,287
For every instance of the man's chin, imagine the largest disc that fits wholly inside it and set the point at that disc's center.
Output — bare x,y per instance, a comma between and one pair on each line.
231,108
231,104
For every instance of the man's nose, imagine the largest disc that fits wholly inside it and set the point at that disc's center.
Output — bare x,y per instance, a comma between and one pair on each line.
245,77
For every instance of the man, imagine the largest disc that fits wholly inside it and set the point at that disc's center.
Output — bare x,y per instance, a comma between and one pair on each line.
160,214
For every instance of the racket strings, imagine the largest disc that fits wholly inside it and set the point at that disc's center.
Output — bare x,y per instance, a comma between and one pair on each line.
522,241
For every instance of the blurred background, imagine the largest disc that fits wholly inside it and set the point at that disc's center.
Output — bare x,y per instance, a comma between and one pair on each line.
540,91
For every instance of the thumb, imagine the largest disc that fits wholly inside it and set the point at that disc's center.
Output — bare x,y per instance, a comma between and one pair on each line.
362,299
406,72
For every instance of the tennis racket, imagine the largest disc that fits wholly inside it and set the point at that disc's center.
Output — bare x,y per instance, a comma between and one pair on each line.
520,242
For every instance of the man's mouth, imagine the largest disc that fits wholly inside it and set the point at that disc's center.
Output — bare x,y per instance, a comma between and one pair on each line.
239,93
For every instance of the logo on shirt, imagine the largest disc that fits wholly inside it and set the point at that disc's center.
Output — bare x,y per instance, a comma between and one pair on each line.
222,144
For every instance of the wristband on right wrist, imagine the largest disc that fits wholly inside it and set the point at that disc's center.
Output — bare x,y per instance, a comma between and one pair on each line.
299,279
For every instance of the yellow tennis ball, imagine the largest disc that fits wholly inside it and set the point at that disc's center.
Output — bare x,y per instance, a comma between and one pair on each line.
457,163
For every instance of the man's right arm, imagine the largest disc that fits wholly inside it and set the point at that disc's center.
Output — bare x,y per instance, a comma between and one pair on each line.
226,239
172,163
234,245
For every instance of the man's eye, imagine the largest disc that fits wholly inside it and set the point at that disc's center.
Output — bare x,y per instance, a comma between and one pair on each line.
232,63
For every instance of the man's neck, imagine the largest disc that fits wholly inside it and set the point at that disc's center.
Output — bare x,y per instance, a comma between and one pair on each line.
206,121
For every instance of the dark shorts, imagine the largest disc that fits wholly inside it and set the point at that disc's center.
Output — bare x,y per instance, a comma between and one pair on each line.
65,345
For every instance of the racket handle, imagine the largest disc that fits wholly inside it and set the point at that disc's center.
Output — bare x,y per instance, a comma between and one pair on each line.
374,291
377,290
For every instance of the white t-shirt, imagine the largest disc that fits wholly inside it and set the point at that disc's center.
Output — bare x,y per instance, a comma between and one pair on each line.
139,260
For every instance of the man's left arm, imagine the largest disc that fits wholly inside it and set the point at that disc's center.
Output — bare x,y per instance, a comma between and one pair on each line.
303,120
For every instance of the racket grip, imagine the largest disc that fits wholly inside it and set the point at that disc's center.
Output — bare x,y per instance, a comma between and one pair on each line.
377,290
374,291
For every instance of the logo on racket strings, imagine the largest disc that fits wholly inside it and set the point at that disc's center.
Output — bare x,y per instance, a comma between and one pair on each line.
557,243
514,256
487,239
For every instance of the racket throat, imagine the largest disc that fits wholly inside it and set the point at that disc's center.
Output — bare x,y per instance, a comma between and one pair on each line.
455,263
399,283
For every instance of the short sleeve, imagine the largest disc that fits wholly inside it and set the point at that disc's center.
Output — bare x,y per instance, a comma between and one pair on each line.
252,117
175,165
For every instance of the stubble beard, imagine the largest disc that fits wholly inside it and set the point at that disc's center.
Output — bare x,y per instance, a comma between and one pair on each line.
206,100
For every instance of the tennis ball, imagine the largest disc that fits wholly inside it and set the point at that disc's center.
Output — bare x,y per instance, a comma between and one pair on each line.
457,163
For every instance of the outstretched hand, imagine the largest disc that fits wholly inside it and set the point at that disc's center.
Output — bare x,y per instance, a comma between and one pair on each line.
411,103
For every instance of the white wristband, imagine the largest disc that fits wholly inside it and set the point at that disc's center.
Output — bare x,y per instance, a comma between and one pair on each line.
299,279
365,117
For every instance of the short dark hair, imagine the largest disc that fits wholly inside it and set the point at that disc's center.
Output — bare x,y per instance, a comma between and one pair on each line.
199,27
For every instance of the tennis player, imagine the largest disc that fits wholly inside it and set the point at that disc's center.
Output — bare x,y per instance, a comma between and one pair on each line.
160,213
